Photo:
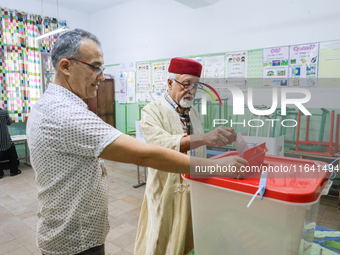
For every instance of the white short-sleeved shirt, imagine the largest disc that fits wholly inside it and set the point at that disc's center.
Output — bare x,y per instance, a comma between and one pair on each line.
65,140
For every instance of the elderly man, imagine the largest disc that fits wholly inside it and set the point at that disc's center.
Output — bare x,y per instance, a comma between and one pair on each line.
6,144
165,225
66,142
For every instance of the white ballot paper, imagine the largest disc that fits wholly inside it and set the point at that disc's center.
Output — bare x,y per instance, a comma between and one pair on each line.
240,144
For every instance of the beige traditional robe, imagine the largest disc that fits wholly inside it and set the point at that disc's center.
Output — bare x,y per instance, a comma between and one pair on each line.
165,224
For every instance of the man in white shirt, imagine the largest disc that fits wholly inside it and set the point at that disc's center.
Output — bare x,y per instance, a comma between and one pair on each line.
171,121
66,142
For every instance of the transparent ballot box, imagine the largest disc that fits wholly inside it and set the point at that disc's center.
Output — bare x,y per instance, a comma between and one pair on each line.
283,223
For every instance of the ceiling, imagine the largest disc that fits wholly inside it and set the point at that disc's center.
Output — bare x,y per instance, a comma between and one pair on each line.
194,4
90,6
87,6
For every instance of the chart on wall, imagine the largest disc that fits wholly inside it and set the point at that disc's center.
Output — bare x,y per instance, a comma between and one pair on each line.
214,68
303,70
127,85
275,67
329,63
159,76
255,69
122,87
236,67
131,88
143,77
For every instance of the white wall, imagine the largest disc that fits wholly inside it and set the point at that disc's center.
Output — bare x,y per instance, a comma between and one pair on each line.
75,19
153,29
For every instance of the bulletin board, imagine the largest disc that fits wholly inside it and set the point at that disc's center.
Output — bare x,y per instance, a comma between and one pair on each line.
310,65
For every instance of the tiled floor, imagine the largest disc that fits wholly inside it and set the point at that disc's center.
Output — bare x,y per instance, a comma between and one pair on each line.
18,204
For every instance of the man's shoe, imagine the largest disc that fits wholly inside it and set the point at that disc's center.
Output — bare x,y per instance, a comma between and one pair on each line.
14,174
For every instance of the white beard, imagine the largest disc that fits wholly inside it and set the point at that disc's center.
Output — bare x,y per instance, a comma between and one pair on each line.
186,103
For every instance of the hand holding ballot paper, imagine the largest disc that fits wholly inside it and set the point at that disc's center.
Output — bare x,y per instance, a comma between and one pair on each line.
220,166
220,136
236,166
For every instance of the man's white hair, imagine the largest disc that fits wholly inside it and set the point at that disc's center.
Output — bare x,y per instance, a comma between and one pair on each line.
173,76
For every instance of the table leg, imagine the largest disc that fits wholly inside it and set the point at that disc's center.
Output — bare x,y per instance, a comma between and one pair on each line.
26,155
140,182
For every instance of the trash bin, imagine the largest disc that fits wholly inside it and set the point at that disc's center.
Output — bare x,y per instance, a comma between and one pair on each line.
282,223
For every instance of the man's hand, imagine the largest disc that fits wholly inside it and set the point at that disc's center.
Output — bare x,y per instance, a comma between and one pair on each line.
220,136
232,165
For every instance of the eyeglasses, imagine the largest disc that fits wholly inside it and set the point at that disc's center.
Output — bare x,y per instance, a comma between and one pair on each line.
98,69
190,86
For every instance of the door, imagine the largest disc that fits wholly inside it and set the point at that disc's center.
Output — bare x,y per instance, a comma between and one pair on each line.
106,101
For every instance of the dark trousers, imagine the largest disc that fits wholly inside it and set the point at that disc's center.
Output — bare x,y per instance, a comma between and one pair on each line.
98,250
12,155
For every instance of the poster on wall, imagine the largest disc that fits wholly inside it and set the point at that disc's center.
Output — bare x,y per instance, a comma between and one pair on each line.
127,66
214,68
236,67
122,87
159,76
303,70
131,88
140,96
167,63
143,77
275,67
329,63
255,69
147,96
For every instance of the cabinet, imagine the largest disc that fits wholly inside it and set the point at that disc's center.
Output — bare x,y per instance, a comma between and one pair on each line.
104,103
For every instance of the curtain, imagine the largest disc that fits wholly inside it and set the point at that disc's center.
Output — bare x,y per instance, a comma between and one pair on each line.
20,74
46,45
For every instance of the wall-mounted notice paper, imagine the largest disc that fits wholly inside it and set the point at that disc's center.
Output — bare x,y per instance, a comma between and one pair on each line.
236,67
140,96
122,87
255,68
214,68
275,66
303,69
167,63
131,88
329,63
159,76
143,77
127,66
148,96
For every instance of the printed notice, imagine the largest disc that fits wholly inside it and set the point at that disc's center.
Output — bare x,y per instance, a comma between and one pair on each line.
304,64
329,63
236,67
143,77
275,66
